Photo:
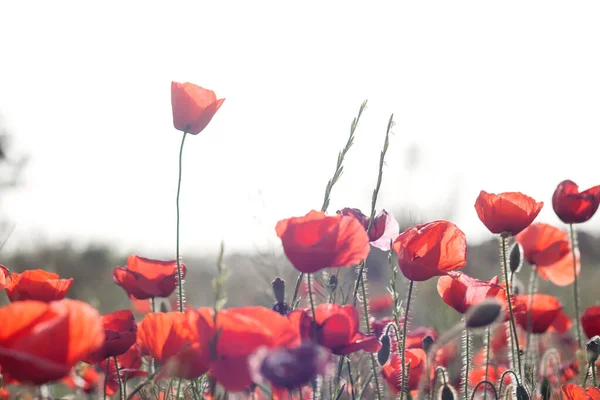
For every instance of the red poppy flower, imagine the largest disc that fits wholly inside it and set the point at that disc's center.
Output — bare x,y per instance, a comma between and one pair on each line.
561,324
494,374
241,332
590,321
575,392
43,341
193,107
548,249
431,249
378,326
509,212
392,369
337,329
144,278
120,331
543,309
5,277
130,364
381,304
37,285
415,336
384,229
169,339
461,292
316,241
572,206
4,394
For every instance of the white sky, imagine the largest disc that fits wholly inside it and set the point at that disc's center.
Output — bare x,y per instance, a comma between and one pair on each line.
501,96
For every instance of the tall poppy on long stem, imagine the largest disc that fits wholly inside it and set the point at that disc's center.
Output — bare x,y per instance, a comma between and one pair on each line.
193,108
575,207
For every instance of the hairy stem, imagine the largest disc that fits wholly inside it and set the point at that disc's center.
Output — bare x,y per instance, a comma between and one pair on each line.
403,348
513,326
573,238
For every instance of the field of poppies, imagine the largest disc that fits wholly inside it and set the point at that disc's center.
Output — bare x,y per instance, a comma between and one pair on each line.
324,337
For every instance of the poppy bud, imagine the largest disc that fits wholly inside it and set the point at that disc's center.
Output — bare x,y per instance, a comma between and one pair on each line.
517,287
384,352
485,313
427,342
545,389
515,260
522,393
279,289
447,393
333,282
593,349
164,307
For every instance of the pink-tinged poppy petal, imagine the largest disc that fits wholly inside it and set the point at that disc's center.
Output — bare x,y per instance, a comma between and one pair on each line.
390,233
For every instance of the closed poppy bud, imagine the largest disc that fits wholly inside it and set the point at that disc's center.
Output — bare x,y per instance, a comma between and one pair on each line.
572,206
427,342
333,282
515,260
590,321
447,393
431,249
483,314
384,352
120,330
593,349
522,393
193,107
506,213
37,285
317,241
279,289
545,389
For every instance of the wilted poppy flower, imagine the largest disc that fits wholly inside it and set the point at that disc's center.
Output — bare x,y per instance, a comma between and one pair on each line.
572,206
290,368
193,107
431,249
392,370
575,392
241,332
543,309
590,321
144,278
509,212
316,241
170,341
548,249
42,341
120,331
37,285
337,329
383,231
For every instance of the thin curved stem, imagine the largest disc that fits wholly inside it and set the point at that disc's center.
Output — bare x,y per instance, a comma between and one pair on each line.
403,348
575,286
351,379
509,301
485,381
179,274
508,371
122,393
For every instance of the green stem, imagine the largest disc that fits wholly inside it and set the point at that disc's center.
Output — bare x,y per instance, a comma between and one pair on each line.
312,308
487,357
351,379
122,394
594,380
368,328
106,376
532,290
512,317
467,360
403,348
179,274
575,285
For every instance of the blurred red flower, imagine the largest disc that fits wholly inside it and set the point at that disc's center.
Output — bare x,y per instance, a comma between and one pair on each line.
380,304
193,107
571,391
590,321
548,249
392,369
561,324
37,285
120,331
572,206
144,278
509,212
317,241
494,374
431,249
42,341
544,309
337,329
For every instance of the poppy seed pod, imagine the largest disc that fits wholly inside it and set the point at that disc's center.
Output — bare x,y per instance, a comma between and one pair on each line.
279,289
592,349
384,352
516,257
485,313
447,393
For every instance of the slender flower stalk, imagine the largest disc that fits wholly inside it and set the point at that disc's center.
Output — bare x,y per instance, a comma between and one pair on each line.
513,325
487,356
404,332
532,291
573,237
466,362
122,394
339,168
180,296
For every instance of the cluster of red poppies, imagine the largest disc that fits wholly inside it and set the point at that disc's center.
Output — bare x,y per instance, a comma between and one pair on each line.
300,350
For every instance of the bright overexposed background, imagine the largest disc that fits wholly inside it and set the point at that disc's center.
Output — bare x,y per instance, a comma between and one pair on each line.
500,96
